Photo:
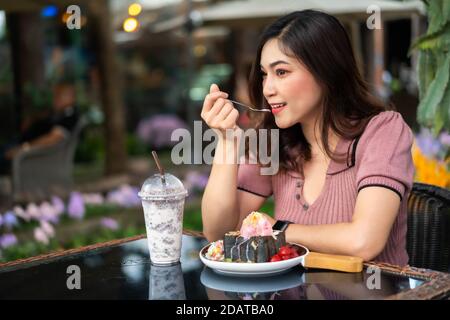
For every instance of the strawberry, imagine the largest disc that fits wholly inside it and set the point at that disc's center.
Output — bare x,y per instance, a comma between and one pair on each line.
275,258
285,251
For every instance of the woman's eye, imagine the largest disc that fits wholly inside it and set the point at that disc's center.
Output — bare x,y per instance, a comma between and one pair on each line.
280,72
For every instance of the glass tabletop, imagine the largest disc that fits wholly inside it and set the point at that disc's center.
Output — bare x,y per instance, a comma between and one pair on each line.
124,271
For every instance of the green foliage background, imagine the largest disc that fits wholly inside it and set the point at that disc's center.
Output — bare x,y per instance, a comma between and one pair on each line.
434,68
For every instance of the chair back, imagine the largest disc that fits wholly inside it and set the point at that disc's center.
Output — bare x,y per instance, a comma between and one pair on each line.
46,170
73,142
428,236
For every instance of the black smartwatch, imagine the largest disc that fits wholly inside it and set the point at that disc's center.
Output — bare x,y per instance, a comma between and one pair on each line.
281,225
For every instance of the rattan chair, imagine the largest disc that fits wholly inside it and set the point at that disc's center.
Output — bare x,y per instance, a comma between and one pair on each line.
42,171
428,237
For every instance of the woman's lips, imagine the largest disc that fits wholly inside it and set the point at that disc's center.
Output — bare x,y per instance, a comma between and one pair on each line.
278,110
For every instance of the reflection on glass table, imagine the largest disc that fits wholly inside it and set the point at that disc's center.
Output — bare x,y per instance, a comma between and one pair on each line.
166,283
301,284
251,286
121,269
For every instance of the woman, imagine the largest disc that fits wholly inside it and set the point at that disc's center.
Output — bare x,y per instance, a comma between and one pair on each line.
345,160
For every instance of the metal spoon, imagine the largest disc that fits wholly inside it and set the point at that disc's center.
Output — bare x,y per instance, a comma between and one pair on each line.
251,108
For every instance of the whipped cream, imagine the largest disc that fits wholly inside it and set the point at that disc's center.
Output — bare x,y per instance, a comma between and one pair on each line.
256,224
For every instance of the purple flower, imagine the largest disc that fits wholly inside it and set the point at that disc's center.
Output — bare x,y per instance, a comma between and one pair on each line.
109,223
48,229
444,138
7,240
21,213
76,206
157,130
40,236
427,143
58,205
126,196
10,220
196,180
130,195
48,213
33,211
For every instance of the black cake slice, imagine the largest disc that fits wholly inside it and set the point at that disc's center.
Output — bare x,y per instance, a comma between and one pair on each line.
253,249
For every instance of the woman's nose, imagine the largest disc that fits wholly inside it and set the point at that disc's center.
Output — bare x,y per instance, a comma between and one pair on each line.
268,87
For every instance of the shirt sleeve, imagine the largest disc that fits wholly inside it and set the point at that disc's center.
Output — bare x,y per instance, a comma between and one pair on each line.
67,120
383,156
251,180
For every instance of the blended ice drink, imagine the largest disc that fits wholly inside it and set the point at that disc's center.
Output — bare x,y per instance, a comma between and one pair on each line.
163,197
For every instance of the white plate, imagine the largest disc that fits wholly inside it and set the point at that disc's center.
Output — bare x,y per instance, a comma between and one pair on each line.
253,269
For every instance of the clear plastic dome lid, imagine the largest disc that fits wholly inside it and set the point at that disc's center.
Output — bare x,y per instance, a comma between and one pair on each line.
155,189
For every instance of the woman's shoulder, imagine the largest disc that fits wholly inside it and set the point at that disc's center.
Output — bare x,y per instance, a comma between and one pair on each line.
385,133
386,119
383,155
385,126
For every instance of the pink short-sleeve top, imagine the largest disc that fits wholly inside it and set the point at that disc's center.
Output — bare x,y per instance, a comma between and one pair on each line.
381,156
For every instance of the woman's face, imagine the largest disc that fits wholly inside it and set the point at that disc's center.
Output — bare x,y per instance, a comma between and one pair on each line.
287,81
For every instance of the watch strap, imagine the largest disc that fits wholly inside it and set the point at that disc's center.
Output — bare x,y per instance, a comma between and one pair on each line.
281,225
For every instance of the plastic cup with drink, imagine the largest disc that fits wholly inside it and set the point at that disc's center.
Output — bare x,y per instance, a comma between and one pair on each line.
163,196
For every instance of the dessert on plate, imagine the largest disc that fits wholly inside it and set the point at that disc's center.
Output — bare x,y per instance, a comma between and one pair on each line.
254,242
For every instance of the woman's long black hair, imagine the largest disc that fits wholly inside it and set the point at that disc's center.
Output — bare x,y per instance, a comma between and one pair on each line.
320,42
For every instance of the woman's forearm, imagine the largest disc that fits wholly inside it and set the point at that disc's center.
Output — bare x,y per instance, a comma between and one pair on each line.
340,238
220,212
